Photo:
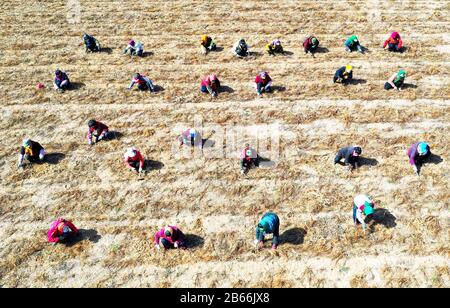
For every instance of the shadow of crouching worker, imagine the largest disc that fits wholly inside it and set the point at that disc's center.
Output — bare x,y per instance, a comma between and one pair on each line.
114,135
54,158
76,86
294,236
84,234
150,165
432,159
263,162
355,81
106,50
365,161
194,241
321,50
225,89
383,217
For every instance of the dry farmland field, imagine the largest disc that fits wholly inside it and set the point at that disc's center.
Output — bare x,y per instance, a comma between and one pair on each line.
204,193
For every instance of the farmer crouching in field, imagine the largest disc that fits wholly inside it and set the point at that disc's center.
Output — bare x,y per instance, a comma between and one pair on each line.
133,160
62,231
363,209
134,49
143,83
394,43
190,137
91,43
310,44
269,224
274,47
344,74
210,84
352,44
263,83
98,130
249,158
417,154
350,156
61,82
207,44
170,237
31,151
396,81
241,49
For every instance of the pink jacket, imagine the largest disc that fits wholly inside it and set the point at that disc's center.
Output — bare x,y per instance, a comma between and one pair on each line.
177,236
244,154
56,229
207,82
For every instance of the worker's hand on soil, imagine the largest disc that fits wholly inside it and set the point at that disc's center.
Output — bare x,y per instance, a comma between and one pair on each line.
274,247
416,170
157,247
175,245
140,170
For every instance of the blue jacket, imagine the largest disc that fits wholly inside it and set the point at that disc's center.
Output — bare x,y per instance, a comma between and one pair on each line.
269,223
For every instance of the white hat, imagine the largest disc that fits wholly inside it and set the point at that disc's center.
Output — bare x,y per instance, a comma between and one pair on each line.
131,152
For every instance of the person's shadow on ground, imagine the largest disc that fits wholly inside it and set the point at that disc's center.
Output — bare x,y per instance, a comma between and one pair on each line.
383,217
150,165
194,241
54,158
432,159
294,236
84,234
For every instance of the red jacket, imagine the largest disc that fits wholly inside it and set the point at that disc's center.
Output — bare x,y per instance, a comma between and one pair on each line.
138,158
394,39
258,79
308,42
100,128
207,83
57,227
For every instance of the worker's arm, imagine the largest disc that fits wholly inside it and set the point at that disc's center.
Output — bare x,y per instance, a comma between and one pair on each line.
360,218
391,81
131,84
141,161
127,163
89,136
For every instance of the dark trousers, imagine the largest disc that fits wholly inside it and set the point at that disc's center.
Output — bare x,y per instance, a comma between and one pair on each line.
66,237
135,164
142,86
393,47
167,244
354,214
421,159
352,162
336,77
92,47
311,49
387,85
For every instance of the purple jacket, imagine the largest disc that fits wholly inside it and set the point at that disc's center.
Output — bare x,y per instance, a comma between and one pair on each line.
177,236
413,154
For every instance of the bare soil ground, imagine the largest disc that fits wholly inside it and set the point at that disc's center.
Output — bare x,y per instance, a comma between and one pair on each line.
206,196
